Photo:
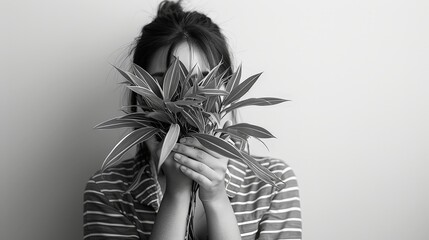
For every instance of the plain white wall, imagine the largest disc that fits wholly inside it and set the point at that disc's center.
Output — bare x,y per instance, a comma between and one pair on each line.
356,132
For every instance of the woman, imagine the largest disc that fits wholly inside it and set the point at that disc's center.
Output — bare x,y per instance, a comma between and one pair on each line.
231,202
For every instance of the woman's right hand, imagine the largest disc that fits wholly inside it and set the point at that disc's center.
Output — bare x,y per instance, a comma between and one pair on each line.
176,182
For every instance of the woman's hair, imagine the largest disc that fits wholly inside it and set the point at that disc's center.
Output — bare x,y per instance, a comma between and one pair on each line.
172,26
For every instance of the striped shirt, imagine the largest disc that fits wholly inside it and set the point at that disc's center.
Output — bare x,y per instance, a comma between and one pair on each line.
262,212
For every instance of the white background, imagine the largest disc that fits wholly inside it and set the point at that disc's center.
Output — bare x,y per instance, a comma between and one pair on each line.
356,131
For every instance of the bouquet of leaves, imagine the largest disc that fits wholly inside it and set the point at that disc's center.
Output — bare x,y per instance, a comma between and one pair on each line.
191,105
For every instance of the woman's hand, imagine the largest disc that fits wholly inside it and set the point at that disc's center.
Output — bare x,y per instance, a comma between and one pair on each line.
205,167
176,181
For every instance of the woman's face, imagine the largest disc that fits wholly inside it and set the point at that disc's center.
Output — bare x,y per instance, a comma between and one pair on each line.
190,56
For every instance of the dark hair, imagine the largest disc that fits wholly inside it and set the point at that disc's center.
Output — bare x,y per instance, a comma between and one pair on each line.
172,26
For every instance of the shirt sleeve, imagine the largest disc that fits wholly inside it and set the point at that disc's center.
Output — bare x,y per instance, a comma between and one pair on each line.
283,218
101,220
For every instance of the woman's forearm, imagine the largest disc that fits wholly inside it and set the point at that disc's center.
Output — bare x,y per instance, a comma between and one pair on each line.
221,221
171,218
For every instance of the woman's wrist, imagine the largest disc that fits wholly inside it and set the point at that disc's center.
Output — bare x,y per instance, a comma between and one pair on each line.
221,220
178,193
220,200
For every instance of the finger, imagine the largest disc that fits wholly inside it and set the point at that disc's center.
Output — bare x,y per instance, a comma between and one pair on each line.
192,142
194,153
200,179
196,166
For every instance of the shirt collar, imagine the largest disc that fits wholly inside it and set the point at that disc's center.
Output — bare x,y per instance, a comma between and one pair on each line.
148,191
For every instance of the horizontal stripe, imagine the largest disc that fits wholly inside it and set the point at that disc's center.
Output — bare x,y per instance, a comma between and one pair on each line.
249,222
92,191
283,230
259,208
286,200
285,210
282,220
231,183
94,202
254,191
249,233
111,190
238,162
109,182
108,224
113,173
110,235
148,196
122,201
236,169
252,211
252,201
103,213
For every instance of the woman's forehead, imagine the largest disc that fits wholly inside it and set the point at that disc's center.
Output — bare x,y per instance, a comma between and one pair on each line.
188,54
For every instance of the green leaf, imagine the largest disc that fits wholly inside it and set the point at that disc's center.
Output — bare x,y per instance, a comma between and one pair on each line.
251,130
183,68
233,134
124,74
210,103
194,116
151,82
186,84
211,75
140,118
149,96
201,119
221,147
142,107
255,102
171,80
262,172
119,123
133,79
241,89
215,92
173,107
260,140
234,80
189,102
214,117
160,116
169,142
190,118
133,138
217,145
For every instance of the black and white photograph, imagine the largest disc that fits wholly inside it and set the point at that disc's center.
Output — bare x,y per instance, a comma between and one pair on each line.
214,120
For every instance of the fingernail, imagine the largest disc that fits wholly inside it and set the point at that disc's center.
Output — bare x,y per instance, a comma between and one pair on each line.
182,140
175,147
177,156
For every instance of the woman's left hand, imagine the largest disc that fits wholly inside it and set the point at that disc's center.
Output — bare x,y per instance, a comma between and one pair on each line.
205,167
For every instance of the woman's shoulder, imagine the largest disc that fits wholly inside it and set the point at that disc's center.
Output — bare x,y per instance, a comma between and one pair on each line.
117,176
277,166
